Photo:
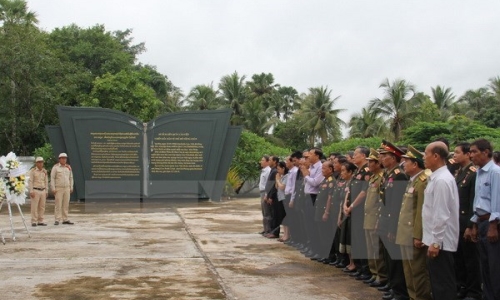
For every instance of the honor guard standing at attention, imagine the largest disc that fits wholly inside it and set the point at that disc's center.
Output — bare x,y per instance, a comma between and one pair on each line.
392,190
409,235
467,255
39,189
61,183
372,206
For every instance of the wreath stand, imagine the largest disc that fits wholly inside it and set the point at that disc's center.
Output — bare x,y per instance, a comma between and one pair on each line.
11,224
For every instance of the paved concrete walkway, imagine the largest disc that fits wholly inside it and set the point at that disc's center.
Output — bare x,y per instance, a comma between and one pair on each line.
190,251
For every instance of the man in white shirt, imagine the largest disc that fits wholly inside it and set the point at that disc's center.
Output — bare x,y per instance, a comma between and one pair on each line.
266,208
440,222
313,177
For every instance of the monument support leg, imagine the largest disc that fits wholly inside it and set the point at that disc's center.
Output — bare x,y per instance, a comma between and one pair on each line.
24,221
11,225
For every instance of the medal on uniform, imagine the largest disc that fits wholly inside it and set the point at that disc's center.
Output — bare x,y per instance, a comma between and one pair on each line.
410,190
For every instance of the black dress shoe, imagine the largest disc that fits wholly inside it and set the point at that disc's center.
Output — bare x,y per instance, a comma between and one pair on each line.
377,284
68,222
326,261
355,274
305,250
388,296
341,265
315,257
369,280
41,224
364,277
56,223
309,254
384,288
347,270
262,232
33,224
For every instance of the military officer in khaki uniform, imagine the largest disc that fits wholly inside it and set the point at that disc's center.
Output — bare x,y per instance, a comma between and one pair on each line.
61,183
392,190
38,184
372,206
409,234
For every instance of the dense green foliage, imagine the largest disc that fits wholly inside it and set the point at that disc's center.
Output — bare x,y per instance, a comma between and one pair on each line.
250,150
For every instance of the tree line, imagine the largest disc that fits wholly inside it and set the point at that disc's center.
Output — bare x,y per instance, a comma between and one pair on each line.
95,67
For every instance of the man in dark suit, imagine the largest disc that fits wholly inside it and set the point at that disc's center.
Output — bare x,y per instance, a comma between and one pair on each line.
467,255
271,197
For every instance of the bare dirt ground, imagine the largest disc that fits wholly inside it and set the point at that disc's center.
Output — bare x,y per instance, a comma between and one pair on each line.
161,251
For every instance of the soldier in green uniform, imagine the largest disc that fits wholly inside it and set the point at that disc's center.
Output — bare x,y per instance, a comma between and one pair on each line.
372,206
409,234
392,190
354,206
467,255
326,222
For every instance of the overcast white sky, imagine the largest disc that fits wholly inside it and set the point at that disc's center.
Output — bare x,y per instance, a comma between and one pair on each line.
349,46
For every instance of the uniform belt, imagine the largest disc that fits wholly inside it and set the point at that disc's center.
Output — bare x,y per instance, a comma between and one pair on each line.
484,217
39,189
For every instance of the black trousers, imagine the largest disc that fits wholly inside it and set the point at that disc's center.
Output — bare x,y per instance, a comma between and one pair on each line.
395,271
467,267
442,275
310,224
359,252
489,254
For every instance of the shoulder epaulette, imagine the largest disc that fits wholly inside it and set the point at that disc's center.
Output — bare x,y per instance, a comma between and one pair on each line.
397,171
330,178
381,173
422,177
472,168
451,161
367,169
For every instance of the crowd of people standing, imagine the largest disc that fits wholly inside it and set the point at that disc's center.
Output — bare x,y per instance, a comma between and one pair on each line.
414,225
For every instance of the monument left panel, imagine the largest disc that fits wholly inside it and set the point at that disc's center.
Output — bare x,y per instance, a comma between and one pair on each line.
108,147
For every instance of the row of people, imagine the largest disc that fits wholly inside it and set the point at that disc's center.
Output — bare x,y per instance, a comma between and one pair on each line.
387,221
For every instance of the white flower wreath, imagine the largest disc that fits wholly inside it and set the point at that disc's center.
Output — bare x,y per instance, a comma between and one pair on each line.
13,184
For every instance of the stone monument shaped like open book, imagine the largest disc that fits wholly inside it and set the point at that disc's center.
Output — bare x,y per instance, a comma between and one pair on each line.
113,155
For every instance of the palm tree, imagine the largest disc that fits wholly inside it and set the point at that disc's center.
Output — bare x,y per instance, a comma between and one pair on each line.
290,101
202,97
262,85
257,119
495,86
366,124
16,12
319,116
398,105
442,97
475,100
233,94
173,102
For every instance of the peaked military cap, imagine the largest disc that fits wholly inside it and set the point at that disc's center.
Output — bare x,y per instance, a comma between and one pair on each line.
388,147
414,154
373,155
